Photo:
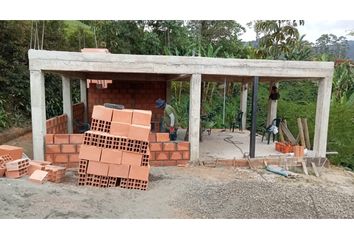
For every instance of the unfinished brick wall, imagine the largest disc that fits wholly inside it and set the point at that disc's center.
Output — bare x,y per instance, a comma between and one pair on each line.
78,115
63,149
168,153
57,125
131,94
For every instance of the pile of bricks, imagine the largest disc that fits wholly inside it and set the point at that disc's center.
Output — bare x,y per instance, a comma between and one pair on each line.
14,165
63,149
115,152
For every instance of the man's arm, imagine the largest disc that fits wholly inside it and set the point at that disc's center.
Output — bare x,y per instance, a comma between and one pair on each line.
172,117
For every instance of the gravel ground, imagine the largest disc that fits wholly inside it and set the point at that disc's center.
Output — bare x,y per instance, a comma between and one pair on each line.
194,192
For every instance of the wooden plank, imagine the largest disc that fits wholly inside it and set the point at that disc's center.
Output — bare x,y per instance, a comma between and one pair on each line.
304,168
315,169
281,135
301,132
306,132
288,134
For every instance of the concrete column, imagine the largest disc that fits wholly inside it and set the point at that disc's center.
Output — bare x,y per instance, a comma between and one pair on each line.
67,102
83,96
254,117
38,112
322,116
272,105
243,103
194,116
168,92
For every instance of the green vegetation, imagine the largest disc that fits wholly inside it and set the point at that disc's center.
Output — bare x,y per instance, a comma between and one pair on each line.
276,39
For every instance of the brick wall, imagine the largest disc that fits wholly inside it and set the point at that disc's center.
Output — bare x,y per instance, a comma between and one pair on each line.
171,153
131,94
78,115
63,149
58,124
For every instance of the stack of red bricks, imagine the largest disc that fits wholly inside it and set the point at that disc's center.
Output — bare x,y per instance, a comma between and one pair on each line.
115,151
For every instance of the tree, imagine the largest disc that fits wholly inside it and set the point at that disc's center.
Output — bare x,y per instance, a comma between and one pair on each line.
335,47
217,33
276,37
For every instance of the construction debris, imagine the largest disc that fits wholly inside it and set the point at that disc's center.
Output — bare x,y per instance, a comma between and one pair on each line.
20,166
115,152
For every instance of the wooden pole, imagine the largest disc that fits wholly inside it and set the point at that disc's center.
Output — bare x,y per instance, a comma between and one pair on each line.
301,132
306,132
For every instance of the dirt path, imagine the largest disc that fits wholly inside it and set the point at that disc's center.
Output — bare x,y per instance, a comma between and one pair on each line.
197,192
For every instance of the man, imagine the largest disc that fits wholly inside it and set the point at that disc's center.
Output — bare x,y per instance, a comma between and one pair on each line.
169,121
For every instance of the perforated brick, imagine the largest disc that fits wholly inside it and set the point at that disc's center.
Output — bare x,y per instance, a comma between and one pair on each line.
17,164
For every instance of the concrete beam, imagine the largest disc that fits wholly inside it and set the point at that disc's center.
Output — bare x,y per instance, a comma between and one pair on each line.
67,102
194,116
83,96
38,112
272,105
101,62
243,103
322,116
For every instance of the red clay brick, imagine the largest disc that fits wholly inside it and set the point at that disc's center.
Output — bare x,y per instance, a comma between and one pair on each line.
162,137
152,156
61,138
34,166
38,176
152,137
169,146
155,147
49,157
41,162
141,117
78,147
111,156
183,146
90,153
169,163
13,151
182,163
73,158
52,149
162,156
120,129
49,139
130,158
123,116
61,158
97,168
139,173
76,138
176,155
138,132
185,155
102,113
68,148
121,171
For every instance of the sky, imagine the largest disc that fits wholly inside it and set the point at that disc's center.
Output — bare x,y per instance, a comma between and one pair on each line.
313,29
